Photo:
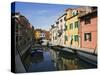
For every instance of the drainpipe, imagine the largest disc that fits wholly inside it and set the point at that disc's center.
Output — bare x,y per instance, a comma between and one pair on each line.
79,35
94,52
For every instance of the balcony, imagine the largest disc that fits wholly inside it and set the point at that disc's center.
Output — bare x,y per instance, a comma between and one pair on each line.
60,32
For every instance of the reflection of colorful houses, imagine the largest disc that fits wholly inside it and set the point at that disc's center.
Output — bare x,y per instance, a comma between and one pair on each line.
71,28
70,64
88,29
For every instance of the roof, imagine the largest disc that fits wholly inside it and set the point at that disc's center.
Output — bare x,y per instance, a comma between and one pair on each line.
85,14
62,16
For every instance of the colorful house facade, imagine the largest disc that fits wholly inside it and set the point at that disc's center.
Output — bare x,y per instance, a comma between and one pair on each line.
23,33
37,34
61,25
71,28
77,28
54,34
88,29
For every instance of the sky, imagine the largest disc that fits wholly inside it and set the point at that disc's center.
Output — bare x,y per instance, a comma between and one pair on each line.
41,15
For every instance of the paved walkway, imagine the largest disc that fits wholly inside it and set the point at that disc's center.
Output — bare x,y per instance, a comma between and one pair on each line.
19,67
82,49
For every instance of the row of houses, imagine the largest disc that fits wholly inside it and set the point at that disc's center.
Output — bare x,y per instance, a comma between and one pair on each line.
76,28
23,32
41,34
25,36
23,39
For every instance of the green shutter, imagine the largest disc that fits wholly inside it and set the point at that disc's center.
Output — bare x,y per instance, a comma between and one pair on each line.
66,38
76,24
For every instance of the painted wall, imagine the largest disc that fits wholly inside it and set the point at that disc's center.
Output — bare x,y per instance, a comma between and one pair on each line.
89,28
53,35
37,34
70,33
61,25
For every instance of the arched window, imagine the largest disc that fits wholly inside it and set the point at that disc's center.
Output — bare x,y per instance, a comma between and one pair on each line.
74,12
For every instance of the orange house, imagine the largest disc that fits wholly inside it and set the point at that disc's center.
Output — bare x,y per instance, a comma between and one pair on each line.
88,29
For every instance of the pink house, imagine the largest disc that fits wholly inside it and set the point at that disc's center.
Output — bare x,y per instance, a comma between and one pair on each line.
88,29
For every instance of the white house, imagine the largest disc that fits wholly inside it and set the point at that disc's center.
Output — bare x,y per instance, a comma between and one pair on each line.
61,26
53,34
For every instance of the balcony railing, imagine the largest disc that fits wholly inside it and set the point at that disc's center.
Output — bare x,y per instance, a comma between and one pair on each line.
60,32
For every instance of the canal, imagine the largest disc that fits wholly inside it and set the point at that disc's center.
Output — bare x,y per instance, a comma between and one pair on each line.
47,59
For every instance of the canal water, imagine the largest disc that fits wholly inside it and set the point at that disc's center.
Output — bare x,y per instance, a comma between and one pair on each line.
54,60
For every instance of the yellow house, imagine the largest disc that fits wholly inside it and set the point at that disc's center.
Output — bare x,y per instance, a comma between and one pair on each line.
37,34
71,28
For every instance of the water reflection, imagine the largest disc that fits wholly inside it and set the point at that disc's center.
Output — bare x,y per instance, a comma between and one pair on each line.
68,61
40,61
64,60
53,60
37,57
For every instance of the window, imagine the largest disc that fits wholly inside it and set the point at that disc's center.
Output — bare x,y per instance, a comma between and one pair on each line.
87,36
71,26
66,38
64,18
76,24
74,12
55,37
66,27
61,20
18,26
87,20
57,22
76,38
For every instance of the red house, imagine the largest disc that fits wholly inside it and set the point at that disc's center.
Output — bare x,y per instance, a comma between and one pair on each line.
88,29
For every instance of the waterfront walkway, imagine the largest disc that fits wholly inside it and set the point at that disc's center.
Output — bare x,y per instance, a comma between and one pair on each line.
19,67
92,51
